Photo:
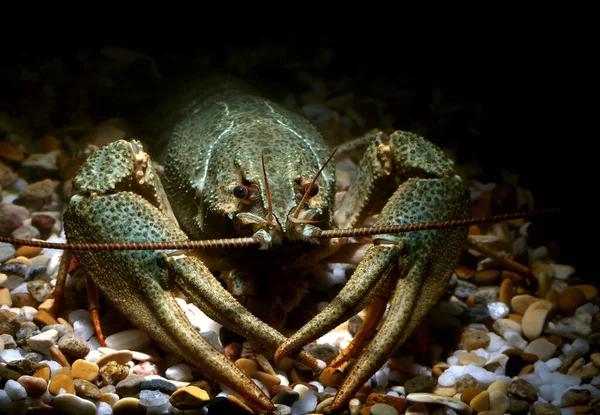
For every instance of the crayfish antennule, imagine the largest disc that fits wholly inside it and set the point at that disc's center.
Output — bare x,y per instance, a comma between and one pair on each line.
311,184
268,190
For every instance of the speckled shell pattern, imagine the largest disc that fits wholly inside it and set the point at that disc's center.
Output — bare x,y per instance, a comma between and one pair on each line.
218,143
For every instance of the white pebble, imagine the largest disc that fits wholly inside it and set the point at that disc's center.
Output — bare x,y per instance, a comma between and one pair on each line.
318,385
104,409
562,272
306,404
80,314
20,289
133,339
580,347
203,320
94,343
284,380
588,308
153,398
9,355
5,402
394,394
194,320
14,390
498,310
84,329
93,355
54,366
553,364
44,341
534,379
447,379
496,342
182,304
514,339
27,313
180,372
382,378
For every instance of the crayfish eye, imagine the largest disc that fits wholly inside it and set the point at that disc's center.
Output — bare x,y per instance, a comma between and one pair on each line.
241,192
313,190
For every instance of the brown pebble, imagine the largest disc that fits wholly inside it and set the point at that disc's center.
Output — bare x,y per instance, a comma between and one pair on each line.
20,260
128,406
298,375
582,409
438,369
506,291
61,381
464,273
10,322
43,373
189,397
278,389
86,389
481,402
331,377
264,364
516,318
267,379
473,339
570,300
590,291
59,356
498,385
399,403
248,366
113,372
520,303
233,351
34,386
10,152
468,394
234,400
5,297
43,318
487,277
82,369
526,370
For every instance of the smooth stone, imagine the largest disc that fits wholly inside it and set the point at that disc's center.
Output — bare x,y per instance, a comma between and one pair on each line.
163,386
286,398
128,406
440,400
5,297
481,402
326,403
82,369
590,291
121,357
180,372
473,339
575,397
471,359
86,389
62,382
503,325
464,382
498,401
570,300
109,397
190,397
331,377
15,390
486,277
43,318
518,407
468,394
419,384
134,339
382,409
414,409
266,379
73,405
595,358
43,373
534,319
130,386
8,342
399,403
544,409
506,291
521,389
520,303
34,386
542,348
248,366
146,368
73,346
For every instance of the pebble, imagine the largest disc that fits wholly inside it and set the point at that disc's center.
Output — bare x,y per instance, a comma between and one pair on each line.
473,339
43,373
150,398
488,276
481,402
112,373
43,318
306,404
331,377
160,385
145,369
15,390
134,339
575,397
470,359
539,408
534,319
128,406
286,398
43,341
73,405
440,400
86,389
497,310
420,384
570,300
521,389
415,409
82,369
383,409
121,357
180,372
189,397
498,401
520,303
518,407
503,325
34,386
130,386
542,348
61,382
468,394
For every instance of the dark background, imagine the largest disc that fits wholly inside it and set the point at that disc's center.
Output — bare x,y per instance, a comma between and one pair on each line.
517,98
